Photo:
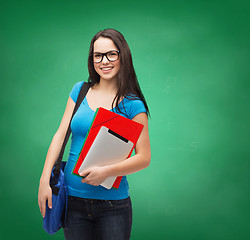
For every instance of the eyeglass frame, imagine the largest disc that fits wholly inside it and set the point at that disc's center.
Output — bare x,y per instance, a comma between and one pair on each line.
105,54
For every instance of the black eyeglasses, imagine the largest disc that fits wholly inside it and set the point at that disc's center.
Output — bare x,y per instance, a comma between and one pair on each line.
112,56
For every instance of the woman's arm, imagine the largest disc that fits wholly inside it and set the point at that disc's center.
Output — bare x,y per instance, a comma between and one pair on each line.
141,159
45,192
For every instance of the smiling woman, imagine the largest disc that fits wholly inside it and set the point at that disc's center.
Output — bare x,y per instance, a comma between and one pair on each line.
95,212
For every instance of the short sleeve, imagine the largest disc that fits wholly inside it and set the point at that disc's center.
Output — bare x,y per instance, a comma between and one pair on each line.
136,107
75,91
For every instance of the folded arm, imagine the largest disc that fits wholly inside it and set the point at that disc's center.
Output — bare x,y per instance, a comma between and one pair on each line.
96,175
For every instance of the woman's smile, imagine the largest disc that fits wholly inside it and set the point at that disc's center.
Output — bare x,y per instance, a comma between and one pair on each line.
106,69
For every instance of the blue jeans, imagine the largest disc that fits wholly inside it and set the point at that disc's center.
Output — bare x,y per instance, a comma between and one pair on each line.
98,219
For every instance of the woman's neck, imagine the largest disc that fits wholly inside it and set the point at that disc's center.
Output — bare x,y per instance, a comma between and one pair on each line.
107,85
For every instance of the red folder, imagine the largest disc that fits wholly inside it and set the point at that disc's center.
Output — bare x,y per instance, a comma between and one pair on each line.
123,126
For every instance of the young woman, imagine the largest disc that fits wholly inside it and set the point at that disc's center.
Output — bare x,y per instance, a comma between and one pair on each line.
95,212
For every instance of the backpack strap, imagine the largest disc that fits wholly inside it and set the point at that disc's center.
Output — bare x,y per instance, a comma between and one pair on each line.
56,171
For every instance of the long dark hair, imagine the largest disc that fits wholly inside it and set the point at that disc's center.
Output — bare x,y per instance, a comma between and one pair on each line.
128,85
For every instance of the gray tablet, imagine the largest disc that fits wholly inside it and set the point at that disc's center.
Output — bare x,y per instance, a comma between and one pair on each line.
107,148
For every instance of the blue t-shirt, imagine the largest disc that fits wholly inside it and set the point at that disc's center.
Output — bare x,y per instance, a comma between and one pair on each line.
79,126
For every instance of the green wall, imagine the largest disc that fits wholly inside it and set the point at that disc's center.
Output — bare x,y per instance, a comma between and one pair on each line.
192,61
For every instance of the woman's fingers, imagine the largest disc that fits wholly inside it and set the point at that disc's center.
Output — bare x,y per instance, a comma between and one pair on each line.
50,201
85,173
44,197
42,206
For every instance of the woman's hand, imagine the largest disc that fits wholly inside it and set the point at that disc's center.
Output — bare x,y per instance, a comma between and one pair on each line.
95,175
44,194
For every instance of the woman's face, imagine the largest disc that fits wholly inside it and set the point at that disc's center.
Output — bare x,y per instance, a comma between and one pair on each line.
106,69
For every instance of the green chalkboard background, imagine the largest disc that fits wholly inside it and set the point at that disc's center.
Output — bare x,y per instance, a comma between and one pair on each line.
192,61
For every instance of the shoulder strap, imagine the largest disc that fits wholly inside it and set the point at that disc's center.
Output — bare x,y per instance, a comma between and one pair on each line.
84,89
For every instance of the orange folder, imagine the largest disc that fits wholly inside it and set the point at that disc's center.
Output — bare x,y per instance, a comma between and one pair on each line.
123,126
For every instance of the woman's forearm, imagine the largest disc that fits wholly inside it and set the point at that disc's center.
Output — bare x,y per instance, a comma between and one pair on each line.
57,142
52,155
96,175
130,165
142,157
